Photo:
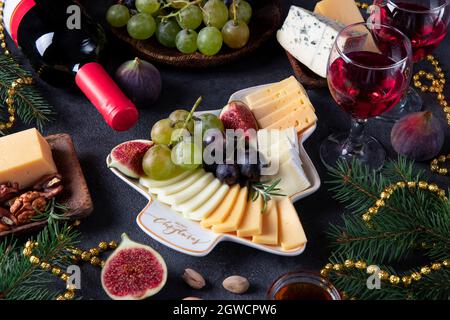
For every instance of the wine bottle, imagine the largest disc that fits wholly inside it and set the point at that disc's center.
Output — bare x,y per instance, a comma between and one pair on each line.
64,44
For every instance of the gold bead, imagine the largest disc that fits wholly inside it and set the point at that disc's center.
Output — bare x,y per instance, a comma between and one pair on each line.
103,245
2,126
421,73
373,210
441,193
438,69
75,259
423,185
417,84
12,119
360,265
444,103
85,256
442,81
385,195
27,252
416,276
9,125
425,270
424,88
102,264
112,245
380,203
435,168
430,76
433,187
436,266
366,217
441,75
440,96
391,189
324,273
34,260
64,277
406,280
337,267
349,263
56,271
383,275
19,81
69,295
7,52
329,266
435,62
394,279
443,171
46,266
60,298
95,261
442,158
372,269
401,184
416,77
430,57
94,251
412,184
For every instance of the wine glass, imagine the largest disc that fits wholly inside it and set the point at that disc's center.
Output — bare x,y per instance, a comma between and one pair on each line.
369,70
425,22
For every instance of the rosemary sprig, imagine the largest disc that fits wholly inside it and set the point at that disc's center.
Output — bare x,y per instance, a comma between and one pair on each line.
266,190
54,212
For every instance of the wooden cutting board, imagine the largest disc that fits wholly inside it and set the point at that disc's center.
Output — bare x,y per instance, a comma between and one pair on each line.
76,194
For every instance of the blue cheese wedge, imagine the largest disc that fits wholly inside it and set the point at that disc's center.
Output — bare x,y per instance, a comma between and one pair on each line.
309,37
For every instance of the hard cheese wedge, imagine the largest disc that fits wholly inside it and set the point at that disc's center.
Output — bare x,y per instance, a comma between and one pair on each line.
25,157
294,106
180,185
199,199
232,223
292,235
252,222
221,213
269,234
272,91
309,37
150,183
208,207
301,119
188,193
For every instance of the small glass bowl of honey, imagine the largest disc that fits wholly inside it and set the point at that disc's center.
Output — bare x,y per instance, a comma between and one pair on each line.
303,285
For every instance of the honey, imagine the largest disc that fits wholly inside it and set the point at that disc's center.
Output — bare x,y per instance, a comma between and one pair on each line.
302,291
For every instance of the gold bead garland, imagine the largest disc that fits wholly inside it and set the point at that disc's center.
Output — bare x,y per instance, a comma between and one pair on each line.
437,168
381,202
78,254
389,191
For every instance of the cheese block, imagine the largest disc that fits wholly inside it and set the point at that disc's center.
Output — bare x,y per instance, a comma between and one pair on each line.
292,235
209,206
188,193
199,199
221,213
252,222
301,119
25,157
269,234
269,91
180,185
150,183
347,13
232,223
309,37
295,106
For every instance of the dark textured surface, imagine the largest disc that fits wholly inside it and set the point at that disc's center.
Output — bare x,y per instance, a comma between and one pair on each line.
116,205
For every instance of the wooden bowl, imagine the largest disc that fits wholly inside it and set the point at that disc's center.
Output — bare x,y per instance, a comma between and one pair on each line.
308,79
266,19
76,195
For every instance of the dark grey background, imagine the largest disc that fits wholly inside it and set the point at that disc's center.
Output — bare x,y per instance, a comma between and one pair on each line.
116,205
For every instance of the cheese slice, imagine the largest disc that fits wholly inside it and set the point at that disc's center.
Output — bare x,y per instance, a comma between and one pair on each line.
232,223
221,213
300,119
208,207
199,199
178,186
296,106
25,157
292,235
269,234
269,90
309,37
150,183
188,193
252,222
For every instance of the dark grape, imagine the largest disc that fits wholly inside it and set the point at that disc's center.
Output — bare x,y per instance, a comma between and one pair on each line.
131,4
228,173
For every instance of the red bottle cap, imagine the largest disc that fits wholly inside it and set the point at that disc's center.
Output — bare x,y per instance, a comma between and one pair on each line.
119,112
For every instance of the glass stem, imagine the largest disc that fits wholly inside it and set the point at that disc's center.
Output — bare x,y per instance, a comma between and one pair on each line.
355,141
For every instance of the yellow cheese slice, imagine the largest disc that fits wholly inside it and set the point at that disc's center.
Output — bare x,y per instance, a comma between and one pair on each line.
268,107
279,114
270,90
252,222
232,223
25,157
292,235
269,234
301,119
221,213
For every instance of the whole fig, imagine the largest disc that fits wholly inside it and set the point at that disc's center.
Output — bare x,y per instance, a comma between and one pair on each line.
418,136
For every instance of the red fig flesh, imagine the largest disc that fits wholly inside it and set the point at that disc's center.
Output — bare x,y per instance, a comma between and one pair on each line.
127,157
418,136
133,272
237,115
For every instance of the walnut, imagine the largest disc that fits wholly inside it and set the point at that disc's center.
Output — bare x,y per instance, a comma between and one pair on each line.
8,191
27,205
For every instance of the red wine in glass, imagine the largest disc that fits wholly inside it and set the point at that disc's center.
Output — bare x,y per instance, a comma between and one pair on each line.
366,92
424,22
